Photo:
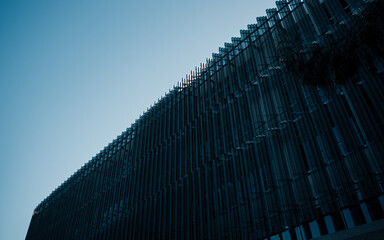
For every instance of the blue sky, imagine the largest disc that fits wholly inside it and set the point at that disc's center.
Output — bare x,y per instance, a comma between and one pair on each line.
75,74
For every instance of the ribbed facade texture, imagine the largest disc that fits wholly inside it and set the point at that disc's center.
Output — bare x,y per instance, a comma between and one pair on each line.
239,149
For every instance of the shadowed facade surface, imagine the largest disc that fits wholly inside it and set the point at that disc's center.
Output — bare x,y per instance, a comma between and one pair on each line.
240,148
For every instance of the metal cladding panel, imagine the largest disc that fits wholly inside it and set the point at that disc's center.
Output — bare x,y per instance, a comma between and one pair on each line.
238,149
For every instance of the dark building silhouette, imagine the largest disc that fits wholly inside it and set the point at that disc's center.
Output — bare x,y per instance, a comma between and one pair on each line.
241,148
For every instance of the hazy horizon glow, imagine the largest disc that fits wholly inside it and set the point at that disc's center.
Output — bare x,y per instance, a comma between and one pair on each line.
75,74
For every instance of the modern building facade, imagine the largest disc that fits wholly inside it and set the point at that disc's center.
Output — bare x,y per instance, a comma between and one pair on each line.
239,149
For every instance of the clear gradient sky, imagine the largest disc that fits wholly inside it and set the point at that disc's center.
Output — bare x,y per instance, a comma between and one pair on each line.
75,74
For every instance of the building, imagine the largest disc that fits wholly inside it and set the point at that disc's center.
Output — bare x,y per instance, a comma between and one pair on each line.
240,149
